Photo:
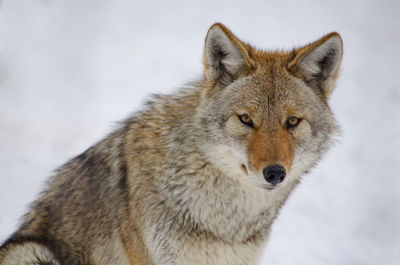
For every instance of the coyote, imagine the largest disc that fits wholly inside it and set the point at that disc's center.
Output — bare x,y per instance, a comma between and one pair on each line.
197,177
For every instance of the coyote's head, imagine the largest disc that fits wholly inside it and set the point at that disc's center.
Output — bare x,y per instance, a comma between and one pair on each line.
265,115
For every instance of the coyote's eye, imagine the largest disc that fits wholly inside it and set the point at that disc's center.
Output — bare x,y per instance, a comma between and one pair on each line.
292,122
246,120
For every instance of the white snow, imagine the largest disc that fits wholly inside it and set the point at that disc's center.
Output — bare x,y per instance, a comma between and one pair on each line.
70,69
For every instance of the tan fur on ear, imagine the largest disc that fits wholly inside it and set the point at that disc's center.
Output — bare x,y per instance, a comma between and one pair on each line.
301,52
318,63
230,46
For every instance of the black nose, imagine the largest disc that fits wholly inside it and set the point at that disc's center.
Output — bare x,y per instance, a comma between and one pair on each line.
274,174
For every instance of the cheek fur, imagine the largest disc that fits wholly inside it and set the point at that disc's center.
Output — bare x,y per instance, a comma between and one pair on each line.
302,133
235,130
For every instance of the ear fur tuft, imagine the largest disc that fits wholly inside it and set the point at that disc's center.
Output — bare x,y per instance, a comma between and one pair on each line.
318,63
225,56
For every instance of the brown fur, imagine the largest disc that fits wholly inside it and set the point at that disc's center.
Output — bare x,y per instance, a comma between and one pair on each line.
263,151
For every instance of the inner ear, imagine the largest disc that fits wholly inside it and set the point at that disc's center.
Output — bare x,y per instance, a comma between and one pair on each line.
319,63
224,55
323,61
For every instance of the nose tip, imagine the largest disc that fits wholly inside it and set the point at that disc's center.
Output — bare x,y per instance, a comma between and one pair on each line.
274,174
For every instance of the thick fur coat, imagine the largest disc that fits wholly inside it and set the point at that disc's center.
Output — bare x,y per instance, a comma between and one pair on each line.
192,178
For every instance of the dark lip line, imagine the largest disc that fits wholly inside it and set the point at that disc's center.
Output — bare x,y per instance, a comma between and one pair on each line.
269,188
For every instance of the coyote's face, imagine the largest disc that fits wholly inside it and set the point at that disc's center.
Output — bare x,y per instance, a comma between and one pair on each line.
265,114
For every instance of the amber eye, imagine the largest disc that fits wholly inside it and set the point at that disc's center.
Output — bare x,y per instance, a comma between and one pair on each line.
292,122
246,120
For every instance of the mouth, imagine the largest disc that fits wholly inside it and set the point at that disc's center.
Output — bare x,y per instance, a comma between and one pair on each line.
244,168
266,187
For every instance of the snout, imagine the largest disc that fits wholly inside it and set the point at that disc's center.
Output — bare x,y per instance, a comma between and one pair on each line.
274,174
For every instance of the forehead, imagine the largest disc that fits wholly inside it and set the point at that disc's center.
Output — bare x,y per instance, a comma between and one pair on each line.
271,92
269,88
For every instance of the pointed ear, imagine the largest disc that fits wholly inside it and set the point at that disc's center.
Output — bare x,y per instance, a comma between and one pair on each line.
225,56
318,63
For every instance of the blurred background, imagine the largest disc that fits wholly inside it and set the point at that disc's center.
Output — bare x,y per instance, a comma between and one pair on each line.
69,70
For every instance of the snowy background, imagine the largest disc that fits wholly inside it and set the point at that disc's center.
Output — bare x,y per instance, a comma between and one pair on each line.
70,69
